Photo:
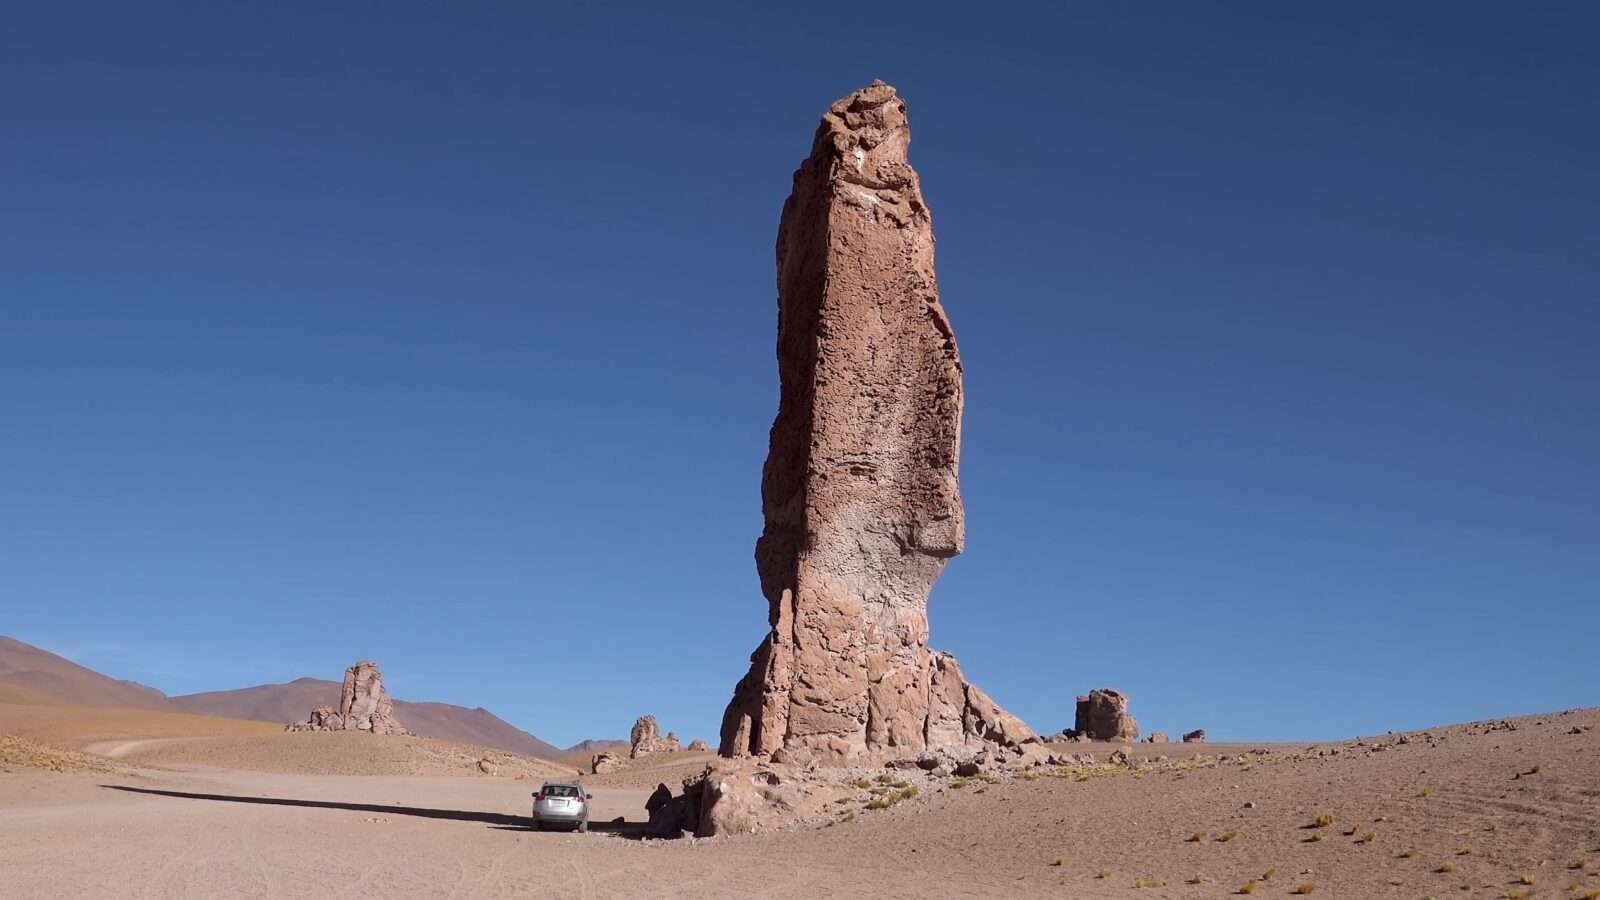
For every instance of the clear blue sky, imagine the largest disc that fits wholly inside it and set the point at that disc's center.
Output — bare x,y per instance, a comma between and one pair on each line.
443,334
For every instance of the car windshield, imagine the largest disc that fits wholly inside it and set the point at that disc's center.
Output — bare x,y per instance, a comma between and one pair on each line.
560,790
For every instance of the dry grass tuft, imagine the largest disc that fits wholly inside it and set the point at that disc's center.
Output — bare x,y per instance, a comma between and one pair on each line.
1196,838
1306,888
1249,887
1226,836
1446,867
1409,853
1323,820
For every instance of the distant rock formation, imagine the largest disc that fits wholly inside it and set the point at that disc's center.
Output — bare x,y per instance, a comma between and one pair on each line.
605,762
699,746
364,705
1159,737
1103,716
645,738
1197,736
859,490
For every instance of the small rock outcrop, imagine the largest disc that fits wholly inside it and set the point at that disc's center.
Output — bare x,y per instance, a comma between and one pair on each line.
364,705
1197,736
645,738
602,763
1103,716
859,491
1159,737
699,746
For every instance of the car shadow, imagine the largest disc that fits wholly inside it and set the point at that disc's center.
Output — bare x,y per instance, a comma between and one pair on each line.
498,821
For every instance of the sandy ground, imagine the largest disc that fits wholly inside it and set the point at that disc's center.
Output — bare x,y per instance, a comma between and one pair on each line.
1482,807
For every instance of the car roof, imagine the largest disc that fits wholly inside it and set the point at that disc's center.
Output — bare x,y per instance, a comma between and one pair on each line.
564,783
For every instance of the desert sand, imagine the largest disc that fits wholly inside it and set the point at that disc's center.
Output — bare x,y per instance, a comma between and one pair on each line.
1468,811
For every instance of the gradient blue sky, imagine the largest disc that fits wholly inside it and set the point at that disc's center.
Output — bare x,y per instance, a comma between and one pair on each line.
443,334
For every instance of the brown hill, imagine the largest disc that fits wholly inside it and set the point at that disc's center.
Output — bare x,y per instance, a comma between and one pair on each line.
595,745
26,666
41,674
291,702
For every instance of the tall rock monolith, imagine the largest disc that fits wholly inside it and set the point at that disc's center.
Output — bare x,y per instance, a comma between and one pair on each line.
364,705
859,489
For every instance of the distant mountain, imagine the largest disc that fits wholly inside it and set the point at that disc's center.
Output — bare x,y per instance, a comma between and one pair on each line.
33,674
595,745
293,701
43,672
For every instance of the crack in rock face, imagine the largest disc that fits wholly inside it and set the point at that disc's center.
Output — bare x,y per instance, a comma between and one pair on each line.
860,490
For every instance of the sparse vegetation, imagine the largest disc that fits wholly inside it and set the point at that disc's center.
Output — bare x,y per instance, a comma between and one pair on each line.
1102,874
1366,838
1249,887
1446,867
1199,878
1147,883
1323,820
1524,879
1226,836
890,799
1409,853
1466,851
1267,875
1306,888
1397,882
1426,792
1197,837
1315,838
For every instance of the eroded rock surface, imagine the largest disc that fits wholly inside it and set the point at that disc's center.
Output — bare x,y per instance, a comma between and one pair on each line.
1103,716
364,705
645,738
859,489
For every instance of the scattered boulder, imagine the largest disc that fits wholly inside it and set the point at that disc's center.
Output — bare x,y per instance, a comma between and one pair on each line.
859,491
1197,736
967,770
1159,737
605,762
1119,757
699,746
487,767
645,738
364,705
1103,716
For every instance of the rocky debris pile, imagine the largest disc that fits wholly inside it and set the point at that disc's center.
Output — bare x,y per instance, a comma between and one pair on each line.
364,705
742,796
699,746
1197,736
645,738
1103,716
604,762
859,492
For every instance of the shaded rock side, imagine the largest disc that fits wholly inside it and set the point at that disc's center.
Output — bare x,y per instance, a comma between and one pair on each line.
859,490
1103,716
